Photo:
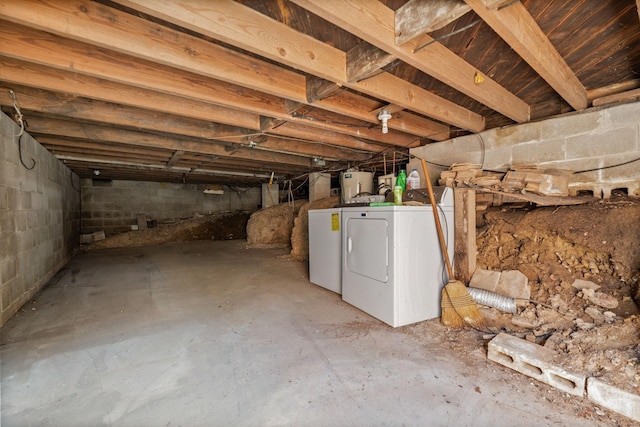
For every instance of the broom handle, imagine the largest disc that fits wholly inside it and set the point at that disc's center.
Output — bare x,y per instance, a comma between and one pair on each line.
436,217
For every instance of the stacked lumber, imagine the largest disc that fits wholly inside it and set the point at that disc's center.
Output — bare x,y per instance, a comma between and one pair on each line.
520,179
530,179
468,174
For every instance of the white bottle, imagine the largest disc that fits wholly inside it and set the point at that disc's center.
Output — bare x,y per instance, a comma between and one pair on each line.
413,180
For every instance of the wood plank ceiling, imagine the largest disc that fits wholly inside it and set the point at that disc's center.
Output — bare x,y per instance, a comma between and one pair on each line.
230,92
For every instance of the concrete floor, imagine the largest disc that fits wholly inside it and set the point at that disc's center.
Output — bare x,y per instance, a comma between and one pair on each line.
213,334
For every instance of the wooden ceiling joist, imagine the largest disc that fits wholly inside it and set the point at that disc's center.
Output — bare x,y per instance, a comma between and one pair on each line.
518,28
248,29
69,129
43,48
435,59
93,23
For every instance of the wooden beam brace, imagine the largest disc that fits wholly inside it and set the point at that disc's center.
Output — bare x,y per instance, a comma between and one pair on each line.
518,28
364,60
318,89
174,158
418,17
374,22
268,124
291,107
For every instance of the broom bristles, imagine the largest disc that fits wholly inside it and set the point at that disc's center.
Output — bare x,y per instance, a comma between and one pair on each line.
458,308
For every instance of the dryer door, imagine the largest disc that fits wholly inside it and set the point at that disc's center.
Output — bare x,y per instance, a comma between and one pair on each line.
367,247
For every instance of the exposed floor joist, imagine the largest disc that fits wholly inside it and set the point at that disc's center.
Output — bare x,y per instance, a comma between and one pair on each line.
518,28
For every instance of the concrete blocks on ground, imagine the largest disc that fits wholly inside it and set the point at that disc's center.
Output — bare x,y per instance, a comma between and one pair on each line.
510,283
613,398
540,363
536,362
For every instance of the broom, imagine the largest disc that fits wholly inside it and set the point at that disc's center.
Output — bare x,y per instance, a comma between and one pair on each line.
457,305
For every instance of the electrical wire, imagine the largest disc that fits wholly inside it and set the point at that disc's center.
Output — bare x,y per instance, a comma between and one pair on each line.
446,36
608,167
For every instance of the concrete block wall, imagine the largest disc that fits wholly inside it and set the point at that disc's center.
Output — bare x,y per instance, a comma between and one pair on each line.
593,139
112,206
39,218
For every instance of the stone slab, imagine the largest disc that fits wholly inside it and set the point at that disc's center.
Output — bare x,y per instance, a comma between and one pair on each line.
485,279
536,362
514,284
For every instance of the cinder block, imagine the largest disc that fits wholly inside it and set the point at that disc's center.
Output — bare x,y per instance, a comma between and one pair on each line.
570,124
536,362
622,140
610,397
539,151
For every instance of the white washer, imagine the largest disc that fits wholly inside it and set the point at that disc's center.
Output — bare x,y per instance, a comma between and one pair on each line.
324,248
392,265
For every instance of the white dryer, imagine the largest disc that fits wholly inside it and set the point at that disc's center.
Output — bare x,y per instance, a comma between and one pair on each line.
392,265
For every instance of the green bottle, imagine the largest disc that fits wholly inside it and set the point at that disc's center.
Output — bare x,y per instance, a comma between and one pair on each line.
402,179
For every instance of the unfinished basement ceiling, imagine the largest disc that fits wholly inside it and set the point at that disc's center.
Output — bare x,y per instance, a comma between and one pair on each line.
230,92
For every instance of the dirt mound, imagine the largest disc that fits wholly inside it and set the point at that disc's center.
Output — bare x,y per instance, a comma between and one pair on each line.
222,226
300,232
594,332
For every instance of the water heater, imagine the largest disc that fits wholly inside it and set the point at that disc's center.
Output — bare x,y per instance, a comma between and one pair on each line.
354,183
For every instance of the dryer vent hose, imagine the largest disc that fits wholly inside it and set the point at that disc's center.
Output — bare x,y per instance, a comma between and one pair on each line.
491,299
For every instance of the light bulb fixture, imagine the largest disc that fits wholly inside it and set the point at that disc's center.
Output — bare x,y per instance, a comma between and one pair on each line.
384,115
96,172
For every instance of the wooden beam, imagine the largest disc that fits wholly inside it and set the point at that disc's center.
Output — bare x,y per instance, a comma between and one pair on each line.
613,89
418,17
619,97
298,131
64,143
518,28
364,60
312,149
418,99
367,110
175,158
70,106
333,97
103,133
248,29
93,23
464,257
374,22
43,48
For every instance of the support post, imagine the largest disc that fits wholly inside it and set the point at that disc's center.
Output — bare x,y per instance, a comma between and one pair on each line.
464,258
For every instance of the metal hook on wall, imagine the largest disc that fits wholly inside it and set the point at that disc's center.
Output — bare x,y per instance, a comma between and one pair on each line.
20,119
